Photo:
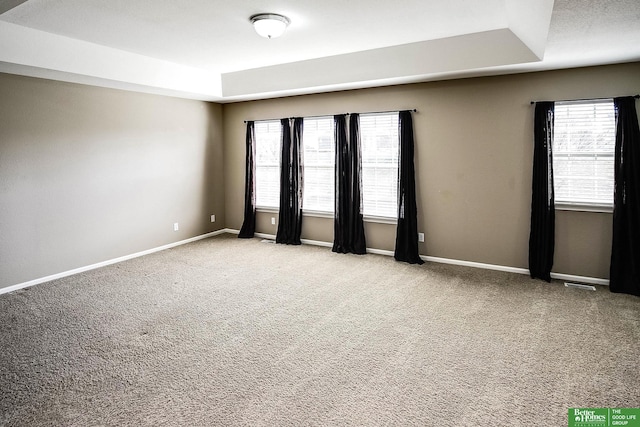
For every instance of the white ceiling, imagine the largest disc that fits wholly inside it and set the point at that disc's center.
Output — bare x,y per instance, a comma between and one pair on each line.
207,49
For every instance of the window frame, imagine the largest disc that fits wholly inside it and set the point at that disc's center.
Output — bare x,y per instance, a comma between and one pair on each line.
395,152
257,124
581,206
318,212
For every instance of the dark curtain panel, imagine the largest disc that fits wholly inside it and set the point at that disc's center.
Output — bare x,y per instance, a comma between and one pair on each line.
290,215
407,229
625,253
249,223
542,233
348,226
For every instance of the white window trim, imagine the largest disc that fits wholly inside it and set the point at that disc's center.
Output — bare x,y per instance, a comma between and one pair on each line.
316,128
378,166
317,214
583,207
380,219
275,164
267,209
580,206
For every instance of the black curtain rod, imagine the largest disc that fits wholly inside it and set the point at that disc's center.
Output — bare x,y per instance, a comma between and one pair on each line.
389,111
278,119
584,99
308,117
331,115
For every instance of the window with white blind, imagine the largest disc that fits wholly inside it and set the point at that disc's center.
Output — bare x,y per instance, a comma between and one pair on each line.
583,153
379,137
319,161
268,164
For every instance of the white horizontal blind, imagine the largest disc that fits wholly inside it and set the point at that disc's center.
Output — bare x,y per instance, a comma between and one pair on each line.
583,152
268,135
319,162
379,136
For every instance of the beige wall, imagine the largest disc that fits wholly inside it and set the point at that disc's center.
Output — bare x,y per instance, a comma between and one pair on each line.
90,174
473,161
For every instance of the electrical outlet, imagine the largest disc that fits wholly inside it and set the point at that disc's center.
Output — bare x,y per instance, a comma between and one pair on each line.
213,218
273,221
420,237
175,226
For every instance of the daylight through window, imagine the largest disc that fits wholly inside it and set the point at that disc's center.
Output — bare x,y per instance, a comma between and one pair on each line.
379,136
319,160
379,139
268,164
583,152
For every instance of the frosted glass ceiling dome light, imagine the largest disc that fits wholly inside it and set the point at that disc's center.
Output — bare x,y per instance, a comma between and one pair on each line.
270,25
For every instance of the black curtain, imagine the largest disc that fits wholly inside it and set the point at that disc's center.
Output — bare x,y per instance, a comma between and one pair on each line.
625,253
249,223
542,233
407,230
348,226
290,214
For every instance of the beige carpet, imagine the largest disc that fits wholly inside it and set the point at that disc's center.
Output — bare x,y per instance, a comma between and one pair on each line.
238,332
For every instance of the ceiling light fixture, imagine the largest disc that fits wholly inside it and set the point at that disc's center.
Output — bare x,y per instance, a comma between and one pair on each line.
269,25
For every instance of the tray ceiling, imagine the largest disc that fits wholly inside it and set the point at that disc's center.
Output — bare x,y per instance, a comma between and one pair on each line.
207,49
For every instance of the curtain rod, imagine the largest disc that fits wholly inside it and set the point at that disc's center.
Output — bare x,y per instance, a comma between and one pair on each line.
584,99
331,115
389,111
308,117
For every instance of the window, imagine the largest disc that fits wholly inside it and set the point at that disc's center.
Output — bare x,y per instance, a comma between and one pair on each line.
319,160
268,164
583,153
379,136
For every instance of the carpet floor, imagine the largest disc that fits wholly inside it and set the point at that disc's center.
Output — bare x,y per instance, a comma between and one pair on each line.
235,332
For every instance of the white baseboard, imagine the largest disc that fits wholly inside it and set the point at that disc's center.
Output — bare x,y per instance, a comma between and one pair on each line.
108,262
475,264
303,241
380,252
264,236
579,279
558,276
316,243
